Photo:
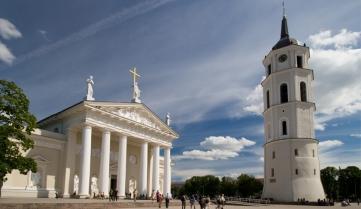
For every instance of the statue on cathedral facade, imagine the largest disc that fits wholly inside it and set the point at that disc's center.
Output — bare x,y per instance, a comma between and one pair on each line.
90,83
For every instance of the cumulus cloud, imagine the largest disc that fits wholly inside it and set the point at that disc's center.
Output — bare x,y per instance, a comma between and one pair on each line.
217,148
8,30
341,40
329,144
336,61
226,143
337,74
254,101
5,54
356,135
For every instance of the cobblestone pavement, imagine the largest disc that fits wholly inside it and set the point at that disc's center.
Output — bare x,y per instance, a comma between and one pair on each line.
146,204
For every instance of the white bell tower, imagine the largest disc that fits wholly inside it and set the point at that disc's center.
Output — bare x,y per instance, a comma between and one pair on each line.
292,167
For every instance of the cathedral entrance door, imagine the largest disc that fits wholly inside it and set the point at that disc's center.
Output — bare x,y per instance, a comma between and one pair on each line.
113,182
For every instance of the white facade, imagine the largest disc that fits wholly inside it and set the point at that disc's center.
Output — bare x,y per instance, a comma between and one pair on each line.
93,146
291,169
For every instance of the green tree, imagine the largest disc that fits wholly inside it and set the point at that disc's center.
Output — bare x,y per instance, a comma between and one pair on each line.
16,124
350,182
329,177
229,186
249,185
202,185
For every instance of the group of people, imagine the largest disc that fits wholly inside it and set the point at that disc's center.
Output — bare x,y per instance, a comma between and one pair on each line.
160,197
204,201
113,195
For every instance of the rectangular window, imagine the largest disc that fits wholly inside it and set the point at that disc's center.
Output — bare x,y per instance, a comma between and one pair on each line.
313,153
272,180
296,171
299,62
269,69
296,152
267,98
314,171
273,155
284,128
272,172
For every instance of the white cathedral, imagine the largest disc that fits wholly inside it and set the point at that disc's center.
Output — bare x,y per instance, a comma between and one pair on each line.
94,146
292,166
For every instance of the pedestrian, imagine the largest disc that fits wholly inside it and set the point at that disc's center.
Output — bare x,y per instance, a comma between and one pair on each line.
157,196
167,200
358,201
192,201
160,200
223,201
135,195
153,196
115,195
183,200
110,195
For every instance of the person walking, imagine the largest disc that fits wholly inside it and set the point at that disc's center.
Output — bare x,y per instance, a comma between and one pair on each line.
167,200
115,195
183,200
192,201
110,195
135,193
160,200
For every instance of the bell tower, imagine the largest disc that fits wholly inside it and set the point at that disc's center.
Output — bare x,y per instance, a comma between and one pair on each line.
292,167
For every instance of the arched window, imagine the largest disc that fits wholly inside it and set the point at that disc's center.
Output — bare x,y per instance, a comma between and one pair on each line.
284,93
284,128
267,97
296,152
303,91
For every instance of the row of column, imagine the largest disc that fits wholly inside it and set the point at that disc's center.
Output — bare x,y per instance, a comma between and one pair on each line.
122,160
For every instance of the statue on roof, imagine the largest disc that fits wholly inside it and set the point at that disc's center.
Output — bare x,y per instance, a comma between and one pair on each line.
90,83
167,119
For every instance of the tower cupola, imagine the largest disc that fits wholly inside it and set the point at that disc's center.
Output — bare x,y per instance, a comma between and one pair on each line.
285,39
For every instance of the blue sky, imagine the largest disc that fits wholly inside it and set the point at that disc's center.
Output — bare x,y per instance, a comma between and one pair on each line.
199,60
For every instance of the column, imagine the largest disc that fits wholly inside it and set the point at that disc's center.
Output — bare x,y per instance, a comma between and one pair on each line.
150,174
143,168
69,163
156,168
167,172
104,163
122,166
85,162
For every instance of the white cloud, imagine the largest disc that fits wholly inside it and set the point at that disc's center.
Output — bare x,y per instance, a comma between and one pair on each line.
185,174
356,135
8,30
329,144
5,54
214,154
337,75
341,40
217,148
254,101
226,143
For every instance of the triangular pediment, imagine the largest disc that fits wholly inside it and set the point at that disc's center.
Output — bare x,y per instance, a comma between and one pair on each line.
135,112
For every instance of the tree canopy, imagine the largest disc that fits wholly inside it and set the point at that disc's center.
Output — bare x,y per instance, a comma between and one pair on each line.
209,185
341,183
16,124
